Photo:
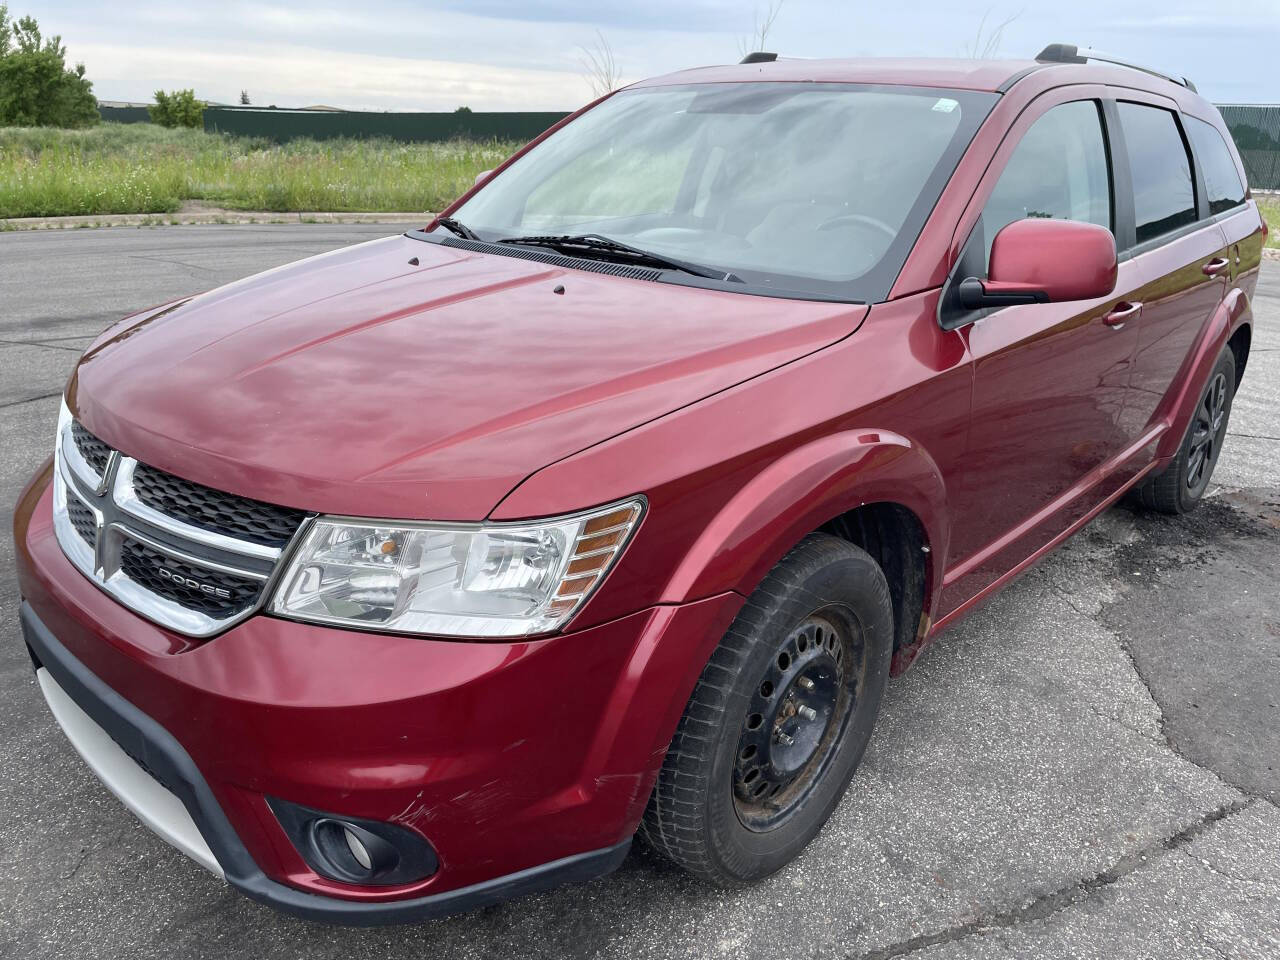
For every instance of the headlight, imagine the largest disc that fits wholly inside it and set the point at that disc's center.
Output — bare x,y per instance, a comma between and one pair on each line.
491,580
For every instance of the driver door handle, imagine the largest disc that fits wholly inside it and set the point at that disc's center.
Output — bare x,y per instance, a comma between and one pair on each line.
1122,313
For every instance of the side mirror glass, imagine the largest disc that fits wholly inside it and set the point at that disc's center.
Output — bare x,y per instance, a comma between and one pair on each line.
481,177
1045,261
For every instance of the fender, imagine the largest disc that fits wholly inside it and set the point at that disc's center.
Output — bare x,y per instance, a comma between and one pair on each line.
799,492
792,496
1180,403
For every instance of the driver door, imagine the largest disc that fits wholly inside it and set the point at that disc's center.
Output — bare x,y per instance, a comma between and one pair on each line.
1047,438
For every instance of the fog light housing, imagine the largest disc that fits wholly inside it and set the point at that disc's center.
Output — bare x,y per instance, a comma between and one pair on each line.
354,850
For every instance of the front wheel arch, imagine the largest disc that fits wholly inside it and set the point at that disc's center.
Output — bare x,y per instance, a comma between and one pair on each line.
826,485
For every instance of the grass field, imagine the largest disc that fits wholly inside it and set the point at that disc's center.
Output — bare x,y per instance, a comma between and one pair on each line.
140,168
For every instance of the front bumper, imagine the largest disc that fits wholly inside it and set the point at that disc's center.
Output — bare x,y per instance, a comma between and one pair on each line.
172,798
523,764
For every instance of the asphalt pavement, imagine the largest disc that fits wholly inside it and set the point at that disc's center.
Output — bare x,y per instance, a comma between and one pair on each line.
1087,766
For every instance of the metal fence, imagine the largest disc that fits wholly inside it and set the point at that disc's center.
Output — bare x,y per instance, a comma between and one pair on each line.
1255,128
282,125
1256,131
124,114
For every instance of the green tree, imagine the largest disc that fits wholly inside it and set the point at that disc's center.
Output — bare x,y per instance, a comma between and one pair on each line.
37,89
177,109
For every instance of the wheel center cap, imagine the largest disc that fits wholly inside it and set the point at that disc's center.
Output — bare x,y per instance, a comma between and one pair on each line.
801,718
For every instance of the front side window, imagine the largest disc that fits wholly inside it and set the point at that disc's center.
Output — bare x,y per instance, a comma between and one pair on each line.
1222,183
1164,197
1058,170
816,188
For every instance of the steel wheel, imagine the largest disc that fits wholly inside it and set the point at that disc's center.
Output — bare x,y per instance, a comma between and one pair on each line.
797,713
779,718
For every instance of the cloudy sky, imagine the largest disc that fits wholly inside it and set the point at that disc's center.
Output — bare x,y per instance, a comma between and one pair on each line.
525,54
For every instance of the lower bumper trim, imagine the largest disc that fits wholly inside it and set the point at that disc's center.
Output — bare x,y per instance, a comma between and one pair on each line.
141,741
122,775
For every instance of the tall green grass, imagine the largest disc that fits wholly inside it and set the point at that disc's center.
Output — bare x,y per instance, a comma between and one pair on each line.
140,168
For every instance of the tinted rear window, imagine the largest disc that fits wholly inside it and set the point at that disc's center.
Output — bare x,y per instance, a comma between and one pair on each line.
1222,182
1163,195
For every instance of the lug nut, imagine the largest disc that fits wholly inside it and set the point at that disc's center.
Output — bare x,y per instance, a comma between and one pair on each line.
782,738
808,713
805,683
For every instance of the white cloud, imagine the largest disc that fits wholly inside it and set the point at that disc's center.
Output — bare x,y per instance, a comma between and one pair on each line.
523,54
298,76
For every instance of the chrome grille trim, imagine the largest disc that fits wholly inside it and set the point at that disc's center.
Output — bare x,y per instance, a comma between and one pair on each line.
91,449
127,500
77,551
195,561
119,516
81,468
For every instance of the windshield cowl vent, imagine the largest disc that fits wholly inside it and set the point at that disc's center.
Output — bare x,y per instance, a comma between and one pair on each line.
554,259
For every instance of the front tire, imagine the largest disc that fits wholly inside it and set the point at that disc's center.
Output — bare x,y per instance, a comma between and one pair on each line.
1180,486
779,719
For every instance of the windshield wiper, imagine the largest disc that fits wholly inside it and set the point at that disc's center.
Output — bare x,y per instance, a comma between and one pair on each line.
594,243
458,227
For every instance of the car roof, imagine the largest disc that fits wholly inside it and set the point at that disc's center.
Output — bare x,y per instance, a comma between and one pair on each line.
994,76
956,74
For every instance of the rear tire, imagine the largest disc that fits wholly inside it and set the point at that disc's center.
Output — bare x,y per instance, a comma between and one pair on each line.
779,719
1180,486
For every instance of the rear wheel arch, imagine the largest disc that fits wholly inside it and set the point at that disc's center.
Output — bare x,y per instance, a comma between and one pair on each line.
1232,319
1239,344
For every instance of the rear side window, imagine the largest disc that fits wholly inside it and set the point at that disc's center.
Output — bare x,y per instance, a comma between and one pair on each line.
1058,170
1221,178
1164,197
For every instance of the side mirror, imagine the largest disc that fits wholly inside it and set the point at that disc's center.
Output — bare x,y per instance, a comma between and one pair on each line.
481,177
1045,261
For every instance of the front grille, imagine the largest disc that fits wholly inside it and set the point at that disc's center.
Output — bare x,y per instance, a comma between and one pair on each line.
214,510
94,451
188,557
82,519
195,588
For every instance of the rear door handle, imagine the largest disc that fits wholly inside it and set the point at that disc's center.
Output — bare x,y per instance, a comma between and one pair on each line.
1215,266
1122,314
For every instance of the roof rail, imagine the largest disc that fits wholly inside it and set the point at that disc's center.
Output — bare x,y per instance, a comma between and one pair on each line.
759,56
1070,53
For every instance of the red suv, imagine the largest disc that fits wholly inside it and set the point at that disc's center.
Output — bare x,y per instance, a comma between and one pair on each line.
430,571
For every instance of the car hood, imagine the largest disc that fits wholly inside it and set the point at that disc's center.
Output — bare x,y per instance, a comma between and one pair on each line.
402,378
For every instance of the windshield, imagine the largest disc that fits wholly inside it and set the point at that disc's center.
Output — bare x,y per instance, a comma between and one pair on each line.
800,188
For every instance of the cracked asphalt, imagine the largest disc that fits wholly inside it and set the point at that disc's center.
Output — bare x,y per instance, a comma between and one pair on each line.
1088,766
